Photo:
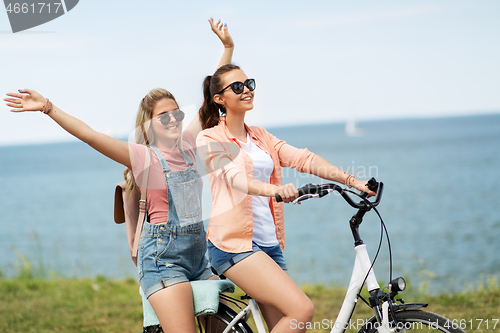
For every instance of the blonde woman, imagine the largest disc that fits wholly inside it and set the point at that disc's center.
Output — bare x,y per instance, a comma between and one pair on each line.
173,242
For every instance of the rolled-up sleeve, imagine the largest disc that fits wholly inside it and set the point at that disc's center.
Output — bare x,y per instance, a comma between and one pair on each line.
218,158
291,157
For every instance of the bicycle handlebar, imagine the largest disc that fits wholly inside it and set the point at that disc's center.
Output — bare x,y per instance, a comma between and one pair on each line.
320,190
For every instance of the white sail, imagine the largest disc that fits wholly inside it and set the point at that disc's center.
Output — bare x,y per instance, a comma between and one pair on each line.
351,129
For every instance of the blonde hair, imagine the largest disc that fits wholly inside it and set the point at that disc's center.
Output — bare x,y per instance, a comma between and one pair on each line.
143,131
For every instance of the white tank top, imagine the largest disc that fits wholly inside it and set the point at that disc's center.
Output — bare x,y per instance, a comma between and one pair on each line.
264,232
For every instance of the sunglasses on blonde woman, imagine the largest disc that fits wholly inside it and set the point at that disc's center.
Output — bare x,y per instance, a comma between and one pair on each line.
238,87
167,116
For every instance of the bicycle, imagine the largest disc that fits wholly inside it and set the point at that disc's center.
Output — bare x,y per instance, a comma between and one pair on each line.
391,315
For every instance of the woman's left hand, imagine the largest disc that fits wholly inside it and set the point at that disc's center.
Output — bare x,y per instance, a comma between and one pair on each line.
221,31
361,185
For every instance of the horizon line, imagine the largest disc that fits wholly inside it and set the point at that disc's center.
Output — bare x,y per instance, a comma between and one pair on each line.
72,139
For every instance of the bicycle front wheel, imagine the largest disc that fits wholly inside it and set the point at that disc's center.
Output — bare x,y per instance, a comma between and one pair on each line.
217,322
416,321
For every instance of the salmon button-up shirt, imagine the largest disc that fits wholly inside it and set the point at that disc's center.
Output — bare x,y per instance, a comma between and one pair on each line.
231,218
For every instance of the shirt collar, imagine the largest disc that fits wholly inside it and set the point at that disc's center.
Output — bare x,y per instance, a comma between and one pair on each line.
230,136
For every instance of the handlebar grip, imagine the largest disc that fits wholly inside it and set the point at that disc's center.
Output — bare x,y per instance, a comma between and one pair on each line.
306,189
372,185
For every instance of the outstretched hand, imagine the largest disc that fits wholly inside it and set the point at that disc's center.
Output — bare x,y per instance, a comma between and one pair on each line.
25,100
221,31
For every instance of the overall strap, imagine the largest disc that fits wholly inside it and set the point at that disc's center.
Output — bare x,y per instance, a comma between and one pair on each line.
164,165
142,202
186,158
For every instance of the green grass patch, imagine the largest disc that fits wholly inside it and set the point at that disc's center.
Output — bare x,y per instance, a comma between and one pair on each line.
100,305
69,305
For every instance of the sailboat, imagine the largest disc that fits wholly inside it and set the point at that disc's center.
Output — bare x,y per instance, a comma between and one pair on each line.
352,130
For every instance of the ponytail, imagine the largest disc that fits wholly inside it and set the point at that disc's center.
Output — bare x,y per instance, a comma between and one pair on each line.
209,110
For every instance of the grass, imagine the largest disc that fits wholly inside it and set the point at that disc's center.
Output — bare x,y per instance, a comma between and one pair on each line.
30,304
69,305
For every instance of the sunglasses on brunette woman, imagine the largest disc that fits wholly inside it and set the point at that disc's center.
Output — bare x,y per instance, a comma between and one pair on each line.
166,117
238,87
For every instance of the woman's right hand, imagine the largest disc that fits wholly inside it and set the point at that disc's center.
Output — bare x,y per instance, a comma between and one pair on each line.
25,100
220,30
287,192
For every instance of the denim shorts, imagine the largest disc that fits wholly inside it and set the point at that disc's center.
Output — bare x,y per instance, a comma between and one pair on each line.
221,261
171,254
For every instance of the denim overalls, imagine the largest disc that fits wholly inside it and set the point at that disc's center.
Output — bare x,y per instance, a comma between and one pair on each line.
175,252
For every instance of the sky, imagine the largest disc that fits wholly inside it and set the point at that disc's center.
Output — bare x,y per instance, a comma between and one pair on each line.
313,61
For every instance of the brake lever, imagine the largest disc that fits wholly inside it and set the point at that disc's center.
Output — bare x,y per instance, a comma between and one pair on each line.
321,194
305,197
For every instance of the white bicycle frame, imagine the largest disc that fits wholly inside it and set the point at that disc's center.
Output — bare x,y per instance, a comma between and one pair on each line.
362,265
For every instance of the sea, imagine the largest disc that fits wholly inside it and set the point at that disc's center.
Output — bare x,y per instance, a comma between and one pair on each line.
439,206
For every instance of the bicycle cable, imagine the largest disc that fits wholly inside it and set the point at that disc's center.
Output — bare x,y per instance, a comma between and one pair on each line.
388,243
383,229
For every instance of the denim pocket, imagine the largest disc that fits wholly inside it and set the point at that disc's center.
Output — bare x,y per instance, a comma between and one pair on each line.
163,244
187,198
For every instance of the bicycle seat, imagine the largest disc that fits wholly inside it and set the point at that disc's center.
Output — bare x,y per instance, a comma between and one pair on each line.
206,295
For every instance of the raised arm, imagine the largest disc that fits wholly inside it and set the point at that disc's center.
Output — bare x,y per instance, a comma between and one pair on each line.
222,32
30,100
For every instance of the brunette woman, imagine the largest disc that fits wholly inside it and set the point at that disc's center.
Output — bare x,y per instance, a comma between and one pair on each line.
246,234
